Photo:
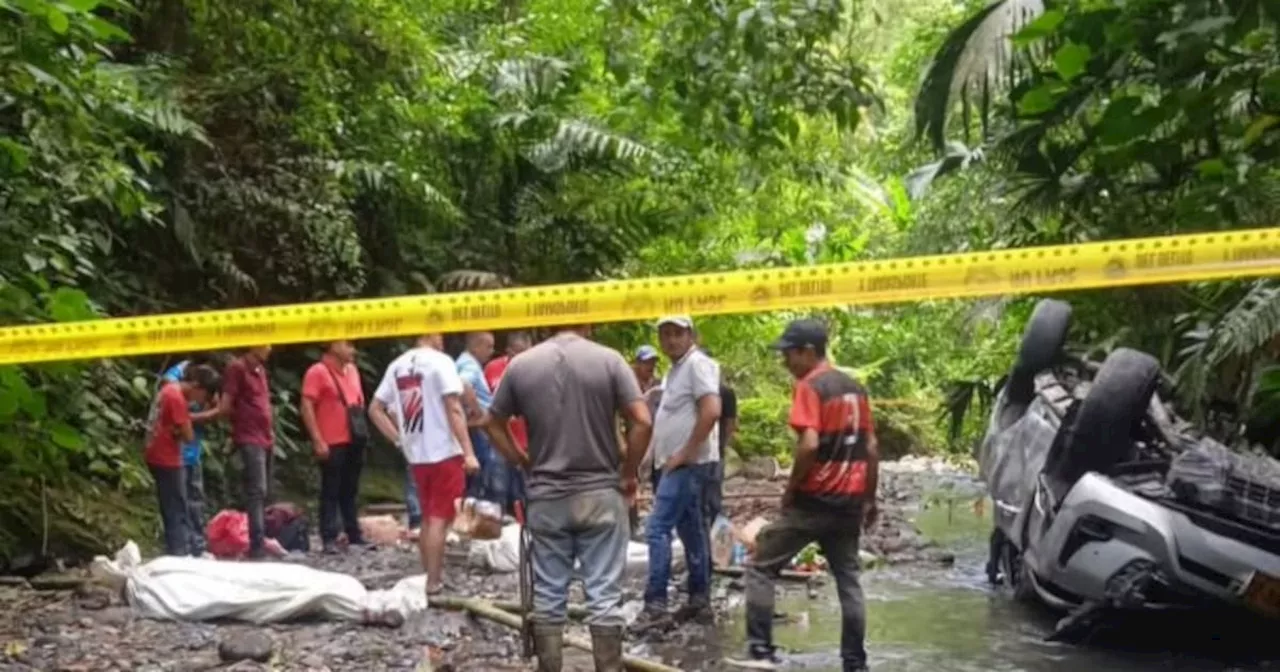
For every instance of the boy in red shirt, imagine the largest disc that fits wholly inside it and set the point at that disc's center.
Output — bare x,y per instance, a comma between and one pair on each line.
171,427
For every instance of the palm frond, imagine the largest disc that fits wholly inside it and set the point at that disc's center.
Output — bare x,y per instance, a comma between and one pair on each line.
466,280
958,157
1249,325
382,177
971,61
531,80
577,139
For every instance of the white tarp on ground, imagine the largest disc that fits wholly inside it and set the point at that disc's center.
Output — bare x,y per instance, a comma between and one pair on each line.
503,554
194,589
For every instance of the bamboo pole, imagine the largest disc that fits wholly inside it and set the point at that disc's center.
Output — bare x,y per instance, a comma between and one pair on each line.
575,610
785,575
487,610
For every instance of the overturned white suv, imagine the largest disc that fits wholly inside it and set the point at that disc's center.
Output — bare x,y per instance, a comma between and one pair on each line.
1104,499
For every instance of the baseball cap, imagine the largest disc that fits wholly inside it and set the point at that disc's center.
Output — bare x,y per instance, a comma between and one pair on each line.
802,334
646,353
682,321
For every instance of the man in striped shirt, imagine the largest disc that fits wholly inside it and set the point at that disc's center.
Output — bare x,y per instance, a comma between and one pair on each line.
832,489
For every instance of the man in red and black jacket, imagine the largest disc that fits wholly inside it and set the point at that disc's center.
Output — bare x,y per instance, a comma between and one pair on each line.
831,495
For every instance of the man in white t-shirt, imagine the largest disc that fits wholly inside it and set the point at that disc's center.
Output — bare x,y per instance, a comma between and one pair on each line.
424,390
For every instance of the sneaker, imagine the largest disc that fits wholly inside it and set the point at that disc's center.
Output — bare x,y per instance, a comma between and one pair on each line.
696,611
329,548
756,658
652,620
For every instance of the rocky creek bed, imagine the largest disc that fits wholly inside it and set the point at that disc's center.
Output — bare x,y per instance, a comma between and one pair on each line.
87,628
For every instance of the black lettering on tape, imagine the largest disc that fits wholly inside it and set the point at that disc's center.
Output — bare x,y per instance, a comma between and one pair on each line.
1252,253
709,301
760,296
805,288
386,325
318,327
674,304
981,276
1164,259
638,304
247,330
1043,277
559,308
23,345
486,311
897,283
1115,268
435,318
168,335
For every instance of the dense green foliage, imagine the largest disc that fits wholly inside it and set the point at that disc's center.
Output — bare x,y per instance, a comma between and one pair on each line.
187,154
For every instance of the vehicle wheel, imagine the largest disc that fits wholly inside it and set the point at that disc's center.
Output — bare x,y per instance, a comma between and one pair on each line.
1101,435
1013,573
1042,343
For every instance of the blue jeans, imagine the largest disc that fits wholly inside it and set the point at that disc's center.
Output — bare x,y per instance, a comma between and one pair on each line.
589,527
476,484
411,504
498,481
677,505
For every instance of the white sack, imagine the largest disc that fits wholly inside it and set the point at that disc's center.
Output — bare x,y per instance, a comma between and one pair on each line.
194,589
497,555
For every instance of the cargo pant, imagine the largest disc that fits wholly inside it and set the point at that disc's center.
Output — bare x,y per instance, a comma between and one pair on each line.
837,534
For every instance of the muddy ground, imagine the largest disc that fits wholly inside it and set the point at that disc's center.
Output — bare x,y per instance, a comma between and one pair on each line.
87,629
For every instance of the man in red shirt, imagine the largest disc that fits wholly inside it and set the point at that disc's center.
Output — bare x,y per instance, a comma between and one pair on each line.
517,342
246,400
170,423
333,413
832,488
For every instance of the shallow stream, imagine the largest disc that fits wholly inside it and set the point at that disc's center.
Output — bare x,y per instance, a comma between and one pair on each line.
930,619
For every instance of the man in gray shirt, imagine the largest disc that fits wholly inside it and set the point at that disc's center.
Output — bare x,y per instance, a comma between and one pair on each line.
570,392
681,448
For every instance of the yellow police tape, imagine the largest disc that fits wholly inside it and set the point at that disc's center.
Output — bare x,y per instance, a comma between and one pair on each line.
1020,271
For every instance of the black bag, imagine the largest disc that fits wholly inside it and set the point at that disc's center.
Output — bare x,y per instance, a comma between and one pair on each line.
357,421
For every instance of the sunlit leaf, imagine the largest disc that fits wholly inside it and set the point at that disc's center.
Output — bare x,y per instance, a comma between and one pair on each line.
1039,28
57,20
1071,59
65,436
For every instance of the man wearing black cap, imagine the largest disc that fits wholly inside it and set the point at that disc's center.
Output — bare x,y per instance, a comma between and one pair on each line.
833,484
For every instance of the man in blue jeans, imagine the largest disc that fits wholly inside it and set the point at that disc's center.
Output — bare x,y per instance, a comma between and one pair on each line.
681,450
570,391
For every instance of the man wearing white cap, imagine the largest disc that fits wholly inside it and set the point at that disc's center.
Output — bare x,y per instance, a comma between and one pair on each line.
645,365
682,443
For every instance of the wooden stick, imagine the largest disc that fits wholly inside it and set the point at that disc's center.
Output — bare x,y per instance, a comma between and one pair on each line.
486,610
575,610
785,575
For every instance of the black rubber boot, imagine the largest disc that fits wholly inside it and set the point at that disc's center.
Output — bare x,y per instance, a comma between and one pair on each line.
548,644
606,647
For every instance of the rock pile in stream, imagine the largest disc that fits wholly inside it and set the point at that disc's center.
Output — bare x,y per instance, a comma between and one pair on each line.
90,629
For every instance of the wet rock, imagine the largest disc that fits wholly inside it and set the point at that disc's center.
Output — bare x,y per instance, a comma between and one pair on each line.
254,646
762,469
93,598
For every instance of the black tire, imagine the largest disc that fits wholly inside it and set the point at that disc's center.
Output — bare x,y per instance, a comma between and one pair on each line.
1101,433
1041,347
1015,575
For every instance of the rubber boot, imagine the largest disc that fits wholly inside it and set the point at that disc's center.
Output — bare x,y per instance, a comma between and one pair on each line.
606,647
548,644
